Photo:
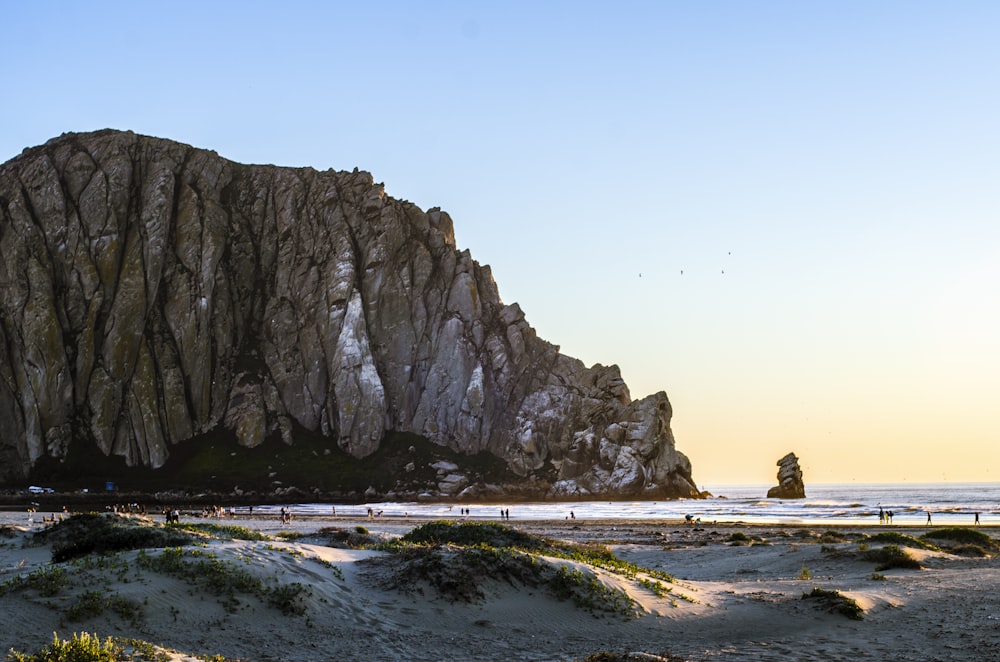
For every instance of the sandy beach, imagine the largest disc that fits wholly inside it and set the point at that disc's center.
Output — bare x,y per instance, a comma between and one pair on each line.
737,594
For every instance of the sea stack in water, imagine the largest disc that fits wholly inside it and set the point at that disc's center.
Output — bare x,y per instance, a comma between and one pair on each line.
790,485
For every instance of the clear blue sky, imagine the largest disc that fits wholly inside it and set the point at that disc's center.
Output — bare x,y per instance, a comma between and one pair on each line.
838,161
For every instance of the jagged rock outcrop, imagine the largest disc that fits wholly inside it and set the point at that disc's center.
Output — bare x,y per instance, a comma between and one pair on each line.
790,485
153,292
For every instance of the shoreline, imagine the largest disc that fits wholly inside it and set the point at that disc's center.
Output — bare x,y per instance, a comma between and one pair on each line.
738,593
601,526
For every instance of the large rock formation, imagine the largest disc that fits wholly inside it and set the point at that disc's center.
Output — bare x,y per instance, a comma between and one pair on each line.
153,292
790,485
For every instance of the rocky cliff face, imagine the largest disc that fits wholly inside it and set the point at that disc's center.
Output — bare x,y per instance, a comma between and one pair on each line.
153,292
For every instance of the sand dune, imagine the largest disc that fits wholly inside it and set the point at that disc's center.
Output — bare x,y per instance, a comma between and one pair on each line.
318,602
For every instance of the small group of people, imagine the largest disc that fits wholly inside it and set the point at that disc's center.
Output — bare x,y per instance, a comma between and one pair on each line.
128,509
372,514
173,516
218,512
286,515
885,517
505,514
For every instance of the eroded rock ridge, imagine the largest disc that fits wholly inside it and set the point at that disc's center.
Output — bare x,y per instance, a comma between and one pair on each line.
153,292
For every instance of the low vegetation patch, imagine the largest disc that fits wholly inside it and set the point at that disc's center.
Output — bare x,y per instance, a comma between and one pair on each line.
458,573
836,602
899,539
47,582
91,604
60,586
739,538
94,533
832,536
891,556
221,531
224,578
289,536
357,538
87,647
632,657
475,533
587,592
837,552
456,559
82,647
963,535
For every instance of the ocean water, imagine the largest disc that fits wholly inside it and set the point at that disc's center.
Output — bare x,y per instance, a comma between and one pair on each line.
951,504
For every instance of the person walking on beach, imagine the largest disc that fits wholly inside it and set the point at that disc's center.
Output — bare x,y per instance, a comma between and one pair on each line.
928,518
977,520
881,515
